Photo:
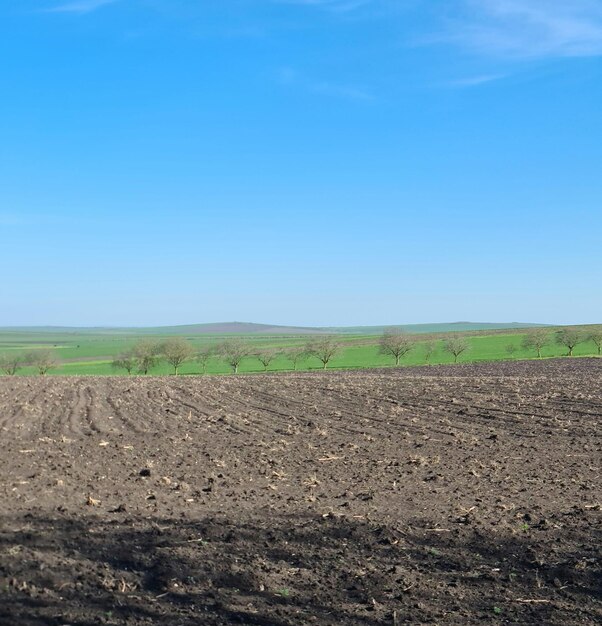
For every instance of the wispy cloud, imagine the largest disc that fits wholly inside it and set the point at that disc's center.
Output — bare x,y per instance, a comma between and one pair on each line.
505,28
332,4
475,81
288,77
527,28
81,6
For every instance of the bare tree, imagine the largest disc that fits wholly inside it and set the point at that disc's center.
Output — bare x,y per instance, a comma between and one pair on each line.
396,343
176,351
147,353
203,356
10,364
456,346
511,350
42,360
233,351
570,338
536,339
596,337
430,348
323,348
265,357
296,354
125,361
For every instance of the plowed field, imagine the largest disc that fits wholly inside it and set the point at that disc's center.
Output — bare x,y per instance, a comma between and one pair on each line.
444,495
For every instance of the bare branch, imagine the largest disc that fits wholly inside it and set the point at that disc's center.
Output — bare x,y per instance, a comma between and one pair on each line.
204,355
430,347
511,349
570,338
176,352
536,339
394,342
126,361
147,353
596,337
265,357
456,346
233,351
323,348
296,354
10,364
42,360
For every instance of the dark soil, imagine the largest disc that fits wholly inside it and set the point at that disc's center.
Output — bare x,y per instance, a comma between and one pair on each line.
444,495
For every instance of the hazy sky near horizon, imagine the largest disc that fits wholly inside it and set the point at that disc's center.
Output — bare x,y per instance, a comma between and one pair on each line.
311,162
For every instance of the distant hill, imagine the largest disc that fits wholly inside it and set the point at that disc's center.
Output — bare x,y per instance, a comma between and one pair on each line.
231,328
434,328
247,328
218,328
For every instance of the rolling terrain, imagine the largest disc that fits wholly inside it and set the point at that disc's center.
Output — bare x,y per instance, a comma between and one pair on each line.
248,328
91,351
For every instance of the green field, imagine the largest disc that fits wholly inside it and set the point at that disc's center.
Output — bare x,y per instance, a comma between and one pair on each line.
91,352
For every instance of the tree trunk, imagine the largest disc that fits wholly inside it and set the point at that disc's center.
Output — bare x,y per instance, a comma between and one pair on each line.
570,351
325,364
397,360
539,353
175,369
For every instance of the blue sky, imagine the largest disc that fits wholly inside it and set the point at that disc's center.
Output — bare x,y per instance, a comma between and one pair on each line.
318,162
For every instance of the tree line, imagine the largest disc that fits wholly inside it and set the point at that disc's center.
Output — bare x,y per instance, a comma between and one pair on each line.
396,344
539,338
147,354
42,360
